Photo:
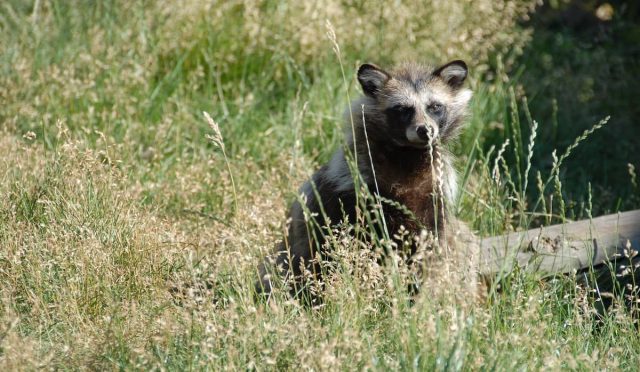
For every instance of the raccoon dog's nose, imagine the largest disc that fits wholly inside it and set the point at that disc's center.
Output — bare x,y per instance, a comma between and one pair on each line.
422,132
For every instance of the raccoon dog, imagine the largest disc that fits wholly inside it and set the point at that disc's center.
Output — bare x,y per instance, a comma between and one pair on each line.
397,131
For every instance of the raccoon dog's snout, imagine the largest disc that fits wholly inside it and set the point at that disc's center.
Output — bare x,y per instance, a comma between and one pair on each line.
423,132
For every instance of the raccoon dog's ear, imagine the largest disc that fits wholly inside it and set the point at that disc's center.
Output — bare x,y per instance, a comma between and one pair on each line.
453,73
372,78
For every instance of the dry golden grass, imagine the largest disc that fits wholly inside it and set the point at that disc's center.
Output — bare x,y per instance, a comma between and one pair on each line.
122,247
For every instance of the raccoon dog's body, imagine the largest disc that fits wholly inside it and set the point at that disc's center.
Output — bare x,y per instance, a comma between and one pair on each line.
400,126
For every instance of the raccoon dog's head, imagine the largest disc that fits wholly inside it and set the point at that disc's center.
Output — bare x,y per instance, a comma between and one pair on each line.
415,105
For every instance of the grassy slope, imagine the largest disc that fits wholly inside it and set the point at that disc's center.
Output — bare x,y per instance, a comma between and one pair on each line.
116,209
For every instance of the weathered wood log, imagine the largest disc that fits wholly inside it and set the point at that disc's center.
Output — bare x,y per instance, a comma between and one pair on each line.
564,248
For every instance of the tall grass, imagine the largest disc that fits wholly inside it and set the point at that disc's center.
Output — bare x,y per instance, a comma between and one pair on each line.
123,248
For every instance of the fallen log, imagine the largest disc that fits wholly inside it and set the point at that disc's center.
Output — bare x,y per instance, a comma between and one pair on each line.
603,251
563,248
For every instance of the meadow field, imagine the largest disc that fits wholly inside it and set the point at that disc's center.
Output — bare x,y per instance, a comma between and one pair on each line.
130,229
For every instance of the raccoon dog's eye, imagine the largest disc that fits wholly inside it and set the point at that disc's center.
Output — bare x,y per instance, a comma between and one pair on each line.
402,112
435,109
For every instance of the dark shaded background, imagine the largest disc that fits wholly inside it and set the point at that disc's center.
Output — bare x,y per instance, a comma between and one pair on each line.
582,65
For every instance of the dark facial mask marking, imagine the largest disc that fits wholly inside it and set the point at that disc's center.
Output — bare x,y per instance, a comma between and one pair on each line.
400,114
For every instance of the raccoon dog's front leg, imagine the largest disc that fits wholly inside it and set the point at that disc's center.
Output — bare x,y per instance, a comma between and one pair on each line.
294,261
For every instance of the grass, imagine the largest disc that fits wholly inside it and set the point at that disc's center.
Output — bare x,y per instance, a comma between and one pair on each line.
123,248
